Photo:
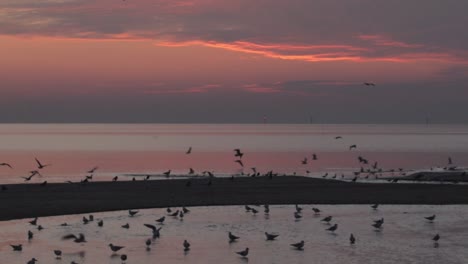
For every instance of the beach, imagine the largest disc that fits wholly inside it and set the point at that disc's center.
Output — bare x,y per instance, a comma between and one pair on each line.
32,200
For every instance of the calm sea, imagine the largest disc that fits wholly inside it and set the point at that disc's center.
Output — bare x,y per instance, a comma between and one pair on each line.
117,149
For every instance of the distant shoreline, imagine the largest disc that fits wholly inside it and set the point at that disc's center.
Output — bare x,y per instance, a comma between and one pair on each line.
32,200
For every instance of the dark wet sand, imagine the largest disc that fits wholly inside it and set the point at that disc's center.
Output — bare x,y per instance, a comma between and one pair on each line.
32,200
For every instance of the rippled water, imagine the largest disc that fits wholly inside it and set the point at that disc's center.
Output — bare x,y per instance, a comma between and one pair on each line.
118,149
405,237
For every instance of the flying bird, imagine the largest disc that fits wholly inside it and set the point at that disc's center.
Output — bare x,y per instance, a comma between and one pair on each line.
77,239
34,221
238,153
40,165
126,226
93,170
6,164
155,230
240,162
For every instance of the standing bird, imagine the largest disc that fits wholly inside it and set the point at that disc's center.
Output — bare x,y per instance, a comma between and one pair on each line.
18,247
232,238
189,150
115,178
123,257
375,206
100,223
430,218
186,245
297,215
436,238
243,253
126,226
316,210
338,137
32,261
161,220
270,236
40,165
450,161
314,156
132,212
333,228
352,239
352,147
33,222
327,219
115,248
148,244
30,235
58,253
304,161
167,173
299,246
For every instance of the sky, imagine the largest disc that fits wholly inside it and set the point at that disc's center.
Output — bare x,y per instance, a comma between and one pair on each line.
236,61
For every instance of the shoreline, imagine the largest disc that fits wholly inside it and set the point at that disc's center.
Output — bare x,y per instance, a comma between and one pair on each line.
33,200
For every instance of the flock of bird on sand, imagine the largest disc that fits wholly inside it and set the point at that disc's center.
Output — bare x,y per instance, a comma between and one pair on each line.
231,238
238,154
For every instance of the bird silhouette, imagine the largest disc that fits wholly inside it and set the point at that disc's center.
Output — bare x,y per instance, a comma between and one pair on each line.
148,244
338,137
369,84
77,239
6,164
115,248
167,173
232,238
58,253
126,226
186,245
189,150
271,236
132,212
327,219
240,162
161,220
18,247
352,239
352,146
299,246
93,170
430,218
30,235
333,228
238,153
40,165
156,231
32,261
375,206
436,238
243,253
33,222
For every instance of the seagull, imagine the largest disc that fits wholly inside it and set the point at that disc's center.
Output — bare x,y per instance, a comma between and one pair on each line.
267,209
191,171
161,220
304,161
449,161
115,248
298,209
316,210
63,224
232,238
430,218
436,238
186,245
34,221
327,219
333,228
185,210
168,210
181,215
148,244
314,156
40,165
167,173
126,226
240,162
32,261
123,257
58,253
254,211
338,137
248,208
352,146
93,170
115,178
30,235
29,177
297,215
380,221
352,239
299,246
375,206
132,213
43,184
270,236
377,225
77,239
154,229
238,153
243,253
39,227
369,84
6,164
189,150
18,247
175,214
100,223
